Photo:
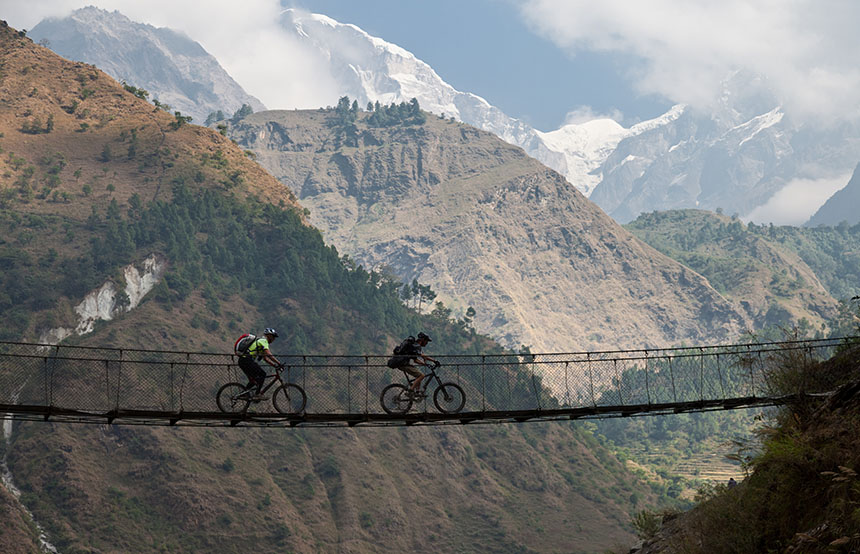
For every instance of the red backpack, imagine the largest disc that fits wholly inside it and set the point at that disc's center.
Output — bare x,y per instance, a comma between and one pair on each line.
243,343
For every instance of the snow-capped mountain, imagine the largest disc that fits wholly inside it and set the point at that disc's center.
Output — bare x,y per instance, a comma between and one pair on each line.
736,157
174,69
370,69
711,161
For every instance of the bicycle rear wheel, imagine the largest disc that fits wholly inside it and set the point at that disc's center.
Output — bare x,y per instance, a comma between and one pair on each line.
289,399
395,399
449,398
232,398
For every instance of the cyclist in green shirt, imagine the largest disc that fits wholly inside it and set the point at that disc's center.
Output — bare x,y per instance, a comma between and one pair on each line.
259,349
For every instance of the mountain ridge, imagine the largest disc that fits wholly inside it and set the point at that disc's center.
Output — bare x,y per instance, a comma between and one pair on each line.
174,68
738,157
842,206
456,208
190,194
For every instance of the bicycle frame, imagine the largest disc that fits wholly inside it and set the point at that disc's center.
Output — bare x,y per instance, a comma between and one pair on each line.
425,382
287,398
272,378
397,399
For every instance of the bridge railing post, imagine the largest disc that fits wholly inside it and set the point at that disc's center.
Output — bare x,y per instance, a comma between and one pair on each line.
366,385
752,379
483,390
508,375
647,381
720,373
672,377
567,399
588,363
47,382
534,382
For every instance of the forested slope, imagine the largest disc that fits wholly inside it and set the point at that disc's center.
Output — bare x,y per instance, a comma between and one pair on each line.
95,177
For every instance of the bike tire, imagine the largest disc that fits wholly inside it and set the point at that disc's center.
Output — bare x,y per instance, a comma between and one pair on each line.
395,399
227,399
449,398
289,399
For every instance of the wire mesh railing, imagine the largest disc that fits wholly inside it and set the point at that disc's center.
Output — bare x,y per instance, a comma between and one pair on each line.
113,382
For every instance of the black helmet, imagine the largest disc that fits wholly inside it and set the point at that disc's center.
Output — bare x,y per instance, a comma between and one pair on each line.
422,336
271,331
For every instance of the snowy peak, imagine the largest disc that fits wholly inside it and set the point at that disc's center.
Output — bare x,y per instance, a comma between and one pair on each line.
586,146
172,67
370,69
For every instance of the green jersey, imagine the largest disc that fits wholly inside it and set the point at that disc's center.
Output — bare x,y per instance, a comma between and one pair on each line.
258,348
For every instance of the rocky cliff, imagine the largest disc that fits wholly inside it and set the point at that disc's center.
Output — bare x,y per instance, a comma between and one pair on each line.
489,227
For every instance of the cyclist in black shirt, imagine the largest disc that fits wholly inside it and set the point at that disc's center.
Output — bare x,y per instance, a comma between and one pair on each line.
412,351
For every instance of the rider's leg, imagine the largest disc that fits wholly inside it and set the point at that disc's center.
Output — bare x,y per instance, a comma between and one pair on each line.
256,374
417,376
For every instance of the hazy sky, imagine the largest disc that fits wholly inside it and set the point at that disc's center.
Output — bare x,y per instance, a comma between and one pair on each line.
542,60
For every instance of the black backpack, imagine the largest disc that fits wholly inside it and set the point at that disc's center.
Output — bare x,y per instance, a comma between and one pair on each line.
405,347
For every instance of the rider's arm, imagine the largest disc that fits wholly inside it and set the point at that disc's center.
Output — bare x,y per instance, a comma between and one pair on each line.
270,359
425,359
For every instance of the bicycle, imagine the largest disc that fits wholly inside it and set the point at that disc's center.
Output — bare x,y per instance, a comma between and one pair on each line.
397,399
234,398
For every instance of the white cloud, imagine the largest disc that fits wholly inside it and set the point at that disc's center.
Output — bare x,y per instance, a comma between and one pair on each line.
584,114
245,37
797,201
809,50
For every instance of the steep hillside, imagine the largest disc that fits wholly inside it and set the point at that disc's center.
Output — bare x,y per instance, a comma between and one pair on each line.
175,69
77,146
803,491
769,282
842,206
17,533
93,178
486,226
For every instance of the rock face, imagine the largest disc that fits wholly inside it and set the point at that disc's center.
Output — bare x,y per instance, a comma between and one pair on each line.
842,206
489,227
734,161
173,68
106,302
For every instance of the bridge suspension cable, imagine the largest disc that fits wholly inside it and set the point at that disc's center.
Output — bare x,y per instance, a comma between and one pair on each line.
64,383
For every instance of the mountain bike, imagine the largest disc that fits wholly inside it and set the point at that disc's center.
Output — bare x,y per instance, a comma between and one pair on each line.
288,398
397,399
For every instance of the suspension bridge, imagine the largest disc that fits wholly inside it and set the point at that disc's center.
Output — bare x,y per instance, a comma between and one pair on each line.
77,384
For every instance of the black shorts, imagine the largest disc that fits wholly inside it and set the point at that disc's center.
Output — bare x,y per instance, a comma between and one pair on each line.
252,369
401,362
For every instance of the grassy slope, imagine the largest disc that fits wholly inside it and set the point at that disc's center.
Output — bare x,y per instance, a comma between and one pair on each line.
541,487
768,281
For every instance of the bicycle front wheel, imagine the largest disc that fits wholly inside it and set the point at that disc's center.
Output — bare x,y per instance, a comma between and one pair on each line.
449,398
395,399
232,398
289,399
